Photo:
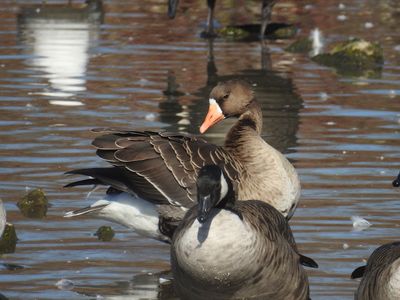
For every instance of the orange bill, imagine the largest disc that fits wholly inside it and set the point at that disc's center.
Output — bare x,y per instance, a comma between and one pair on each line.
214,115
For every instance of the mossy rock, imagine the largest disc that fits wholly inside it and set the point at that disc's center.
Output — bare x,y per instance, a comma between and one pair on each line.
105,233
34,204
354,57
303,45
233,33
8,240
284,32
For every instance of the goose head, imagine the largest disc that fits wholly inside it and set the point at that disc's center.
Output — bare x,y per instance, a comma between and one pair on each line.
213,191
227,99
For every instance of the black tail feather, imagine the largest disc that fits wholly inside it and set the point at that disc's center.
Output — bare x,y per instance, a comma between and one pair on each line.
83,182
113,176
358,273
308,262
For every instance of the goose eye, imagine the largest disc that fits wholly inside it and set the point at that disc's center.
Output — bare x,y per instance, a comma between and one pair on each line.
225,96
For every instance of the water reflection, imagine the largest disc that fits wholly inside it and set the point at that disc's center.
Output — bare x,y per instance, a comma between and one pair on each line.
142,286
59,39
277,95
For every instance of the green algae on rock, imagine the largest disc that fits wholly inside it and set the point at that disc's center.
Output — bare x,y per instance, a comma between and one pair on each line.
233,33
251,32
105,233
284,32
8,240
353,57
303,45
34,204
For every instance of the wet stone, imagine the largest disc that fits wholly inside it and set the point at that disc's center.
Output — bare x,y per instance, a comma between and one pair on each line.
105,233
34,204
303,45
8,240
356,57
251,32
284,32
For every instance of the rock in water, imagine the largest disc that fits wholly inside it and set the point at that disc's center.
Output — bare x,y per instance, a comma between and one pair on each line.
34,204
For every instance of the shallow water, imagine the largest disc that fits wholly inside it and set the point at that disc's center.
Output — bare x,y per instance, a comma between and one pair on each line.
66,73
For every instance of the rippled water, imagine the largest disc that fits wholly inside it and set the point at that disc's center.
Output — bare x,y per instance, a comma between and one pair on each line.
64,73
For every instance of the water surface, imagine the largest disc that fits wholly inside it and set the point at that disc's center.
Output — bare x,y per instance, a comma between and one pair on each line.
64,73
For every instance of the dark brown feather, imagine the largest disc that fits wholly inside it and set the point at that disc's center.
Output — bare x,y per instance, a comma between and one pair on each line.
161,167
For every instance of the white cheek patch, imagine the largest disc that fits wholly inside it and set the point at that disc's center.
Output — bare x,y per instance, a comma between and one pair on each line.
214,102
224,187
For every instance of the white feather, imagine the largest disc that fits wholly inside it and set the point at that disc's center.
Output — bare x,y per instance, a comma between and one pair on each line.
224,187
213,101
2,218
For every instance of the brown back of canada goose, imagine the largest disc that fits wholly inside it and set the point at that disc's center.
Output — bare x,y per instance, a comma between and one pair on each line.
235,250
381,276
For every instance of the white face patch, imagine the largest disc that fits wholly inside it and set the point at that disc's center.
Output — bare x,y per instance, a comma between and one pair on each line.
224,187
213,102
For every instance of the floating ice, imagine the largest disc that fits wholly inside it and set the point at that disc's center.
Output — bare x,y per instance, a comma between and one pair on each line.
360,224
342,17
65,284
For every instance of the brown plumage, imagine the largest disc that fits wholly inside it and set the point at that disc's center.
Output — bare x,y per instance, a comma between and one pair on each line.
381,275
235,250
162,167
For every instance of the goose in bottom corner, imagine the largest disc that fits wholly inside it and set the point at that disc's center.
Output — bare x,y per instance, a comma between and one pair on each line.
381,275
227,249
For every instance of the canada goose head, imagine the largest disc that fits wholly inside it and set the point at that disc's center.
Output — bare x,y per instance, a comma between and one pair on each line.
227,99
214,190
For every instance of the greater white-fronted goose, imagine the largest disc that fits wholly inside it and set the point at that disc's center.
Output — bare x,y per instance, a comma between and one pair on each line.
381,276
227,249
157,171
266,11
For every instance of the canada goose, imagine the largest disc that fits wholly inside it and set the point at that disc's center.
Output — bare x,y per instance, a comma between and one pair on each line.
266,11
154,174
224,249
381,276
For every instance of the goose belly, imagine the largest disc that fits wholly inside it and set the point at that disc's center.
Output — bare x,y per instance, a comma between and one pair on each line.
393,285
217,252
